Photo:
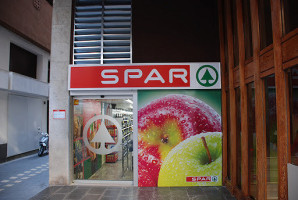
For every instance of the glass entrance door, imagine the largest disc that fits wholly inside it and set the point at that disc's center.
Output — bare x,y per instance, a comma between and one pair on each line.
103,139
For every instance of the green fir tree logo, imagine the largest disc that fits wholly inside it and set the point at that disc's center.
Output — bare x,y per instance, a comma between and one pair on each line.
207,76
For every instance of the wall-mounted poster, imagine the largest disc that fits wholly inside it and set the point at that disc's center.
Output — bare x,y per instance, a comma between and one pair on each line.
179,138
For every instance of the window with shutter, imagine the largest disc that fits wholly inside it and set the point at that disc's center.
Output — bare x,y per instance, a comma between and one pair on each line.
102,32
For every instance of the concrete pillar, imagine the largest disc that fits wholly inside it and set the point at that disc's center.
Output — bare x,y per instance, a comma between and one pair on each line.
60,162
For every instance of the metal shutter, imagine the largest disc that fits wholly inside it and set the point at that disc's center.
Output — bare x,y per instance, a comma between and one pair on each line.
102,32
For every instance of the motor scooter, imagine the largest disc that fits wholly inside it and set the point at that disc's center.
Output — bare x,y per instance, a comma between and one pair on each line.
43,143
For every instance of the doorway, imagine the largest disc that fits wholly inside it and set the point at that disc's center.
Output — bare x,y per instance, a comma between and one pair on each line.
103,139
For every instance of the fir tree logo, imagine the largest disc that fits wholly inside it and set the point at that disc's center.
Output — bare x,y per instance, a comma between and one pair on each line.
102,136
207,76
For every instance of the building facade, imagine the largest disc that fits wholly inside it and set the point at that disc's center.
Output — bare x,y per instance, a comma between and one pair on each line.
256,44
25,33
113,33
259,96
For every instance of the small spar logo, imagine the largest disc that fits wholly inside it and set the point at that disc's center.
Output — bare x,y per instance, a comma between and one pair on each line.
207,76
201,179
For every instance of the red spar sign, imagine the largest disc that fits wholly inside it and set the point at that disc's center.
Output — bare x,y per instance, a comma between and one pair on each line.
147,76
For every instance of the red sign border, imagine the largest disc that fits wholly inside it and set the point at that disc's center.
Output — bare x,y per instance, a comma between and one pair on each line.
57,110
192,67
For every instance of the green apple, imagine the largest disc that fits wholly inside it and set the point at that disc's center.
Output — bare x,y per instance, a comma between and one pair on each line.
197,156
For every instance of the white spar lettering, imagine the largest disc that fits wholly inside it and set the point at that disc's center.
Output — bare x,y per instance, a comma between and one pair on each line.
157,78
182,76
126,75
104,75
173,73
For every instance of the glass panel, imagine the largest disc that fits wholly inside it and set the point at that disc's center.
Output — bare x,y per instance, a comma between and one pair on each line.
252,156
102,139
265,23
238,137
247,29
229,156
290,15
271,138
293,86
235,33
226,46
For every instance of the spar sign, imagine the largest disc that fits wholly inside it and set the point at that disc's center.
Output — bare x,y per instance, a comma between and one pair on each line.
145,76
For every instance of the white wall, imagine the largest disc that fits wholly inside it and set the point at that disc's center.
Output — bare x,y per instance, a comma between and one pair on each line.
7,37
22,98
4,79
3,116
292,181
4,49
24,84
24,117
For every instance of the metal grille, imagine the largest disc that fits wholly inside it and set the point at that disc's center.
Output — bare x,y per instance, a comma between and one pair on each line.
102,32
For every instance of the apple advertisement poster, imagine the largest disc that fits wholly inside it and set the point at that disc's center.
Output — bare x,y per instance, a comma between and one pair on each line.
179,138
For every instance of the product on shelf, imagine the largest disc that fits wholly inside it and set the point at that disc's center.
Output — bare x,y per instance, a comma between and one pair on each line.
112,157
127,128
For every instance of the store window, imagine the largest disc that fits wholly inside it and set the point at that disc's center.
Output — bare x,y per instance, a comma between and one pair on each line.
225,34
265,23
235,33
238,137
247,28
229,156
226,72
293,86
290,15
252,154
49,71
22,61
271,138
102,139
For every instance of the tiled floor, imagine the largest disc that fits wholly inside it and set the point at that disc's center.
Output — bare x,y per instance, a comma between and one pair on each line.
119,173
134,193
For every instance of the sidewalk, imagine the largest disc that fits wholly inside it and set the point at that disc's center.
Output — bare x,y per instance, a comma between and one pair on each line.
134,193
24,177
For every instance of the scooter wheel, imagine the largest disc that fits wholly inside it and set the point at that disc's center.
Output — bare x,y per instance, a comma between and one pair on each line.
40,151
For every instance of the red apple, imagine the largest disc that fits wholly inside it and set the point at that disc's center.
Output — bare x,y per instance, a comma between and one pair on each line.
163,124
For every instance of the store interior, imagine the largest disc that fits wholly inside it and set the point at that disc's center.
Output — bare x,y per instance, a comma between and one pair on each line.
117,165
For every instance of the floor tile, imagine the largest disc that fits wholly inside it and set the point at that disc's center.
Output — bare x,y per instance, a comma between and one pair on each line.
80,191
178,193
107,198
179,197
146,193
125,198
198,198
91,197
97,190
134,193
112,192
56,197
128,192
65,189
74,196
